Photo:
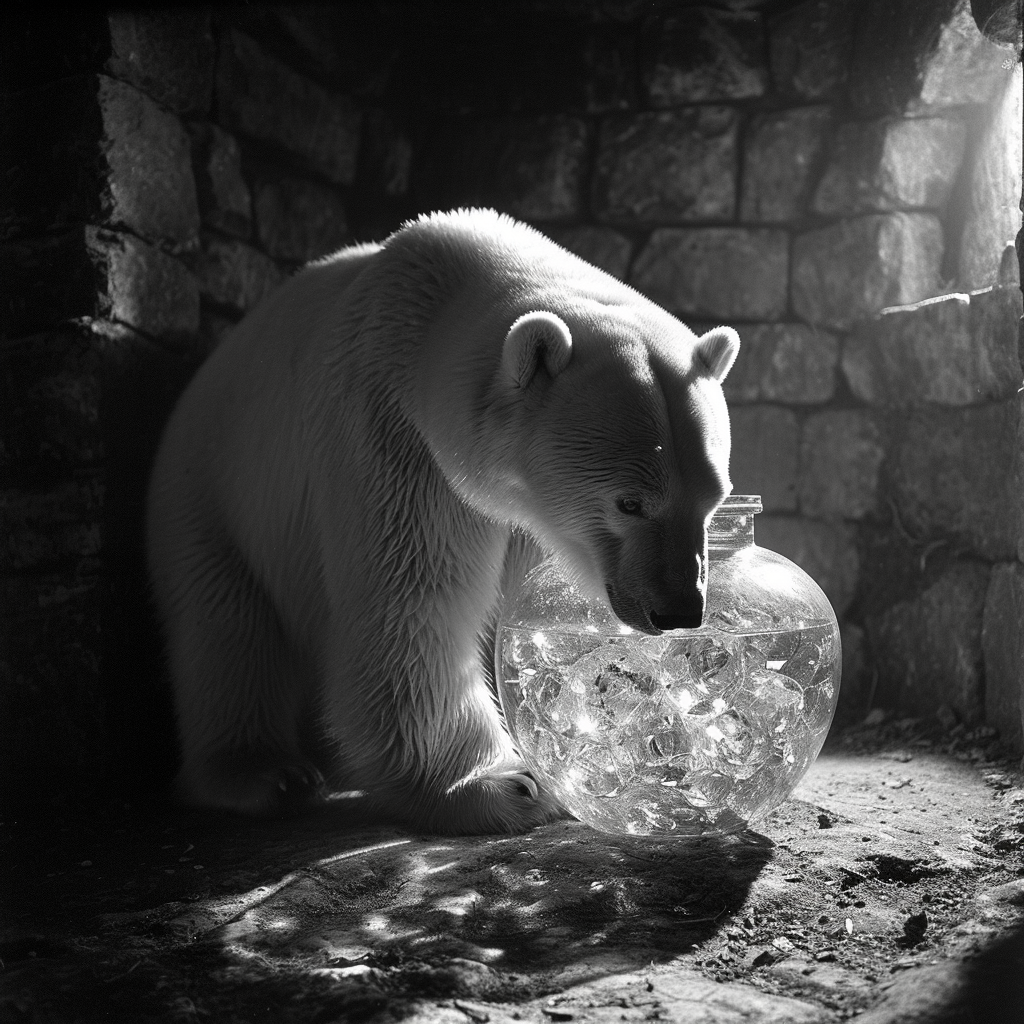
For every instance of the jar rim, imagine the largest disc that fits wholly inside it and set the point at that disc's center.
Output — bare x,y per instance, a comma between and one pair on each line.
740,503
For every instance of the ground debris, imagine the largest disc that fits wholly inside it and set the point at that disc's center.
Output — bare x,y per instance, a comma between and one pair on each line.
914,928
320,920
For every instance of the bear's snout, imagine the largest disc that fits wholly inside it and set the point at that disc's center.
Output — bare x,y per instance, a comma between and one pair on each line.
689,620
678,602
660,604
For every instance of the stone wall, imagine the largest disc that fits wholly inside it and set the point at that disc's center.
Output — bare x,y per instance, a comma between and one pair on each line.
794,170
163,171
790,168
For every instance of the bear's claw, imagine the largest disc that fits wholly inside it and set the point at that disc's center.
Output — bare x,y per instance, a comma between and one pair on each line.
523,778
298,784
252,783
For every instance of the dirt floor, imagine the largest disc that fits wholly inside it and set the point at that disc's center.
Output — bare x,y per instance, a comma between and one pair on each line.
890,889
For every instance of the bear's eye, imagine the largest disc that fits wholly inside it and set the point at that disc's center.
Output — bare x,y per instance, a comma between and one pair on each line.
630,506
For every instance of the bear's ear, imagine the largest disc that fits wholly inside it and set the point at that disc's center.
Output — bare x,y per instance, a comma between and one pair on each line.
717,350
533,337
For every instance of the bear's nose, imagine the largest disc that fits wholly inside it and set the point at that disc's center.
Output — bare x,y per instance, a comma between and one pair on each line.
691,621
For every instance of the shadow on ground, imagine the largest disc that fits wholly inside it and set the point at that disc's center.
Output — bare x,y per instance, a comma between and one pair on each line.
894,892
269,919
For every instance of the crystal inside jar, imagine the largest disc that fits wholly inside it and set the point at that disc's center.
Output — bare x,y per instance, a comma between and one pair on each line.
694,732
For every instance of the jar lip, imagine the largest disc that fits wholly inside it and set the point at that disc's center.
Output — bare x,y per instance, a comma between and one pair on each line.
740,503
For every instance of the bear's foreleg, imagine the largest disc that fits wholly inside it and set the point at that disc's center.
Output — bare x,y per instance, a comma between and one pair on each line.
430,749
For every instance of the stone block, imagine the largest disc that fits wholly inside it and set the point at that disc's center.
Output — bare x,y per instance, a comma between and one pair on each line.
313,28
588,69
1002,643
894,566
850,270
826,551
781,153
143,287
841,454
168,54
912,57
765,453
671,166
95,150
704,55
516,59
529,167
993,215
888,164
964,67
790,363
46,527
607,64
810,48
234,274
952,350
225,201
150,185
299,220
727,273
927,650
90,272
258,96
995,322
958,473
604,247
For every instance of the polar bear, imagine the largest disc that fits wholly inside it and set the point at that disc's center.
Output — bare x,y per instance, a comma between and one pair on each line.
362,466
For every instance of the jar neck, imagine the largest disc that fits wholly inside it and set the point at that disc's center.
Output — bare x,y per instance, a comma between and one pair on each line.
732,526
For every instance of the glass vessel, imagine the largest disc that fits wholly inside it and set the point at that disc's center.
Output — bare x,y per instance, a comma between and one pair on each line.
694,732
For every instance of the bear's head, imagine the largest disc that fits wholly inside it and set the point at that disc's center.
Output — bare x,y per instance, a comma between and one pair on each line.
621,450
556,399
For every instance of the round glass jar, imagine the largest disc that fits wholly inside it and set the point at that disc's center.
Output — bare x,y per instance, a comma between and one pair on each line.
694,732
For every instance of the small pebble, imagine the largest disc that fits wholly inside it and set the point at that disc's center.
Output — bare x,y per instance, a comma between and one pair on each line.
915,926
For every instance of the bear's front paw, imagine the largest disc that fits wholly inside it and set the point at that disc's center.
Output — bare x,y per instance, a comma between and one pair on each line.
252,783
298,786
521,777
502,799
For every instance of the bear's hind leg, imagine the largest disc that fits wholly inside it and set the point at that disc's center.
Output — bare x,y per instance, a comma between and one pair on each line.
241,690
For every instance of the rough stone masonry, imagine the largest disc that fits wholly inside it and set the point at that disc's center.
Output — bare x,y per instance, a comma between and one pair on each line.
793,169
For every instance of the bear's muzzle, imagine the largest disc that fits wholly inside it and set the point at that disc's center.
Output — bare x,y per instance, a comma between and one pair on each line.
688,620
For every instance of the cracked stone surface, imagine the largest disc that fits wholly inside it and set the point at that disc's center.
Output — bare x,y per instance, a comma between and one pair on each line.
890,889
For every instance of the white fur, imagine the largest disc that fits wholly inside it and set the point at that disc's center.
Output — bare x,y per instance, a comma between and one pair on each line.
333,502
